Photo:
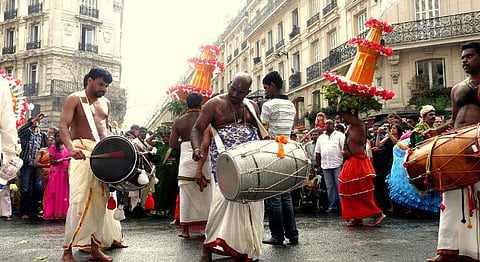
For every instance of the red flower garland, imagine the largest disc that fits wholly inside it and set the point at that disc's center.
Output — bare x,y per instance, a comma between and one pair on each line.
372,22
386,51
189,89
359,90
212,48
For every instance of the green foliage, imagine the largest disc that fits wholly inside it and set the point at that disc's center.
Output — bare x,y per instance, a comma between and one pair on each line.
348,102
177,107
163,130
437,97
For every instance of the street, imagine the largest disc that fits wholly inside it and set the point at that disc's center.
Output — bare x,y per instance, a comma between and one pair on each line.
322,238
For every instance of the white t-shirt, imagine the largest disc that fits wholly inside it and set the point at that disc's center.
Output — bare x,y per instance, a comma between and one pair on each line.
279,113
330,148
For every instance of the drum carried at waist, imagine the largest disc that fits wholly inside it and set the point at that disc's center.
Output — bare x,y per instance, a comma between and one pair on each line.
252,171
120,172
446,162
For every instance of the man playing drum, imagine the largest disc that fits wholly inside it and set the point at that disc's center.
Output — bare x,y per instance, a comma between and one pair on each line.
456,240
235,227
86,192
427,114
194,203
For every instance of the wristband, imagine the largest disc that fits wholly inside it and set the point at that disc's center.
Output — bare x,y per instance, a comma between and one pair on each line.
197,149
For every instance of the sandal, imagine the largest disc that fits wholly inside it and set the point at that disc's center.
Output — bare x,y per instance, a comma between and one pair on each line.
8,218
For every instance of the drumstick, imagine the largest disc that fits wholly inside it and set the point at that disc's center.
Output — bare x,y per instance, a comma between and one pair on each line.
115,154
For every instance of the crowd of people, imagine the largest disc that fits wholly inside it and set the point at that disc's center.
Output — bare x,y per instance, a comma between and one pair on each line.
355,171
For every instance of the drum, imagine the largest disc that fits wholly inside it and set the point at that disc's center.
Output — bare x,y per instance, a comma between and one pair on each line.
252,171
446,162
120,173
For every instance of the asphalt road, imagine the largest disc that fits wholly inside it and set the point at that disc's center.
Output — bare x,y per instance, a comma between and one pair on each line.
322,238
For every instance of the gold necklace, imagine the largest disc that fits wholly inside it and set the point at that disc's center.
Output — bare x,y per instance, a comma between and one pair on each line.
473,84
234,111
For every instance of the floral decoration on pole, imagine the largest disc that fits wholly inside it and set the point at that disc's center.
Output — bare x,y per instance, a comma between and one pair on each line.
20,104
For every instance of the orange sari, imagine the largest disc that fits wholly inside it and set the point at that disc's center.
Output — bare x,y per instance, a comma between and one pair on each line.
43,157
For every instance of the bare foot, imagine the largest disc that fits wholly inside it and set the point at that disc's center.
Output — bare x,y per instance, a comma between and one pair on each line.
68,256
377,220
174,222
99,255
355,223
206,255
184,235
117,244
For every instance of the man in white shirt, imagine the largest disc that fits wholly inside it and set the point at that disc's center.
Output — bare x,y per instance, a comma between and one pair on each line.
329,157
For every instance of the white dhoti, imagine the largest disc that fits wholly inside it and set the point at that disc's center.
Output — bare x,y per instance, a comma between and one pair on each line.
194,205
234,229
452,233
88,198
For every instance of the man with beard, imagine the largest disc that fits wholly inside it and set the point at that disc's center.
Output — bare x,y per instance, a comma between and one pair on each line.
88,196
233,228
456,241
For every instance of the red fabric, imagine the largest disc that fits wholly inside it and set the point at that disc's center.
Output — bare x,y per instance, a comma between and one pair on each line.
227,250
356,188
320,125
177,208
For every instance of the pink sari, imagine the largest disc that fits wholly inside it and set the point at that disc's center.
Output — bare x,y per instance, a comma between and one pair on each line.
56,196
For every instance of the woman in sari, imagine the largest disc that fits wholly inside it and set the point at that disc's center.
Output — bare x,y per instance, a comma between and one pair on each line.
42,163
56,197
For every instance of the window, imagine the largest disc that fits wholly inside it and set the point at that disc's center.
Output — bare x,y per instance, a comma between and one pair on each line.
316,99
32,74
332,37
281,72
425,9
296,62
9,71
10,5
88,39
89,8
280,31
316,51
270,40
35,33
431,72
314,6
361,20
257,49
259,83
294,19
10,39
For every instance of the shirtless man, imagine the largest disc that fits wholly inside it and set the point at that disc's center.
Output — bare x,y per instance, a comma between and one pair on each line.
86,192
455,240
356,178
194,203
236,227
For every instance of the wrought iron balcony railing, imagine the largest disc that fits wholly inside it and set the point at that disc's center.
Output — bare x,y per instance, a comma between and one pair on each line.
8,50
257,60
33,45
235,52
10,14
294,80
244,45
295,32
62,87
279,44
31,89
35,8
313,19
442,27
314,71
88,11
88,48
264,13
269,51
330,7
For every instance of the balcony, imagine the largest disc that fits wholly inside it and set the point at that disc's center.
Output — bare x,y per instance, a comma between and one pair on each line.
257,60
265,13
443,27
229,58
244,45
88,48
279,44
8,50
313,19
314,71
11,14
330,7
294,80
31,89
295,32
235,52
269,52
33,45
88,11
63,88
35,8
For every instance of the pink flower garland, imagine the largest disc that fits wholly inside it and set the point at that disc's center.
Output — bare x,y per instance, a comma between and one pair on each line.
212,48
372,22
212,62
386,51
359,90
189,89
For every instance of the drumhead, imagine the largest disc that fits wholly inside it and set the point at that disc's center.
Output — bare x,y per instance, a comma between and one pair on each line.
113,170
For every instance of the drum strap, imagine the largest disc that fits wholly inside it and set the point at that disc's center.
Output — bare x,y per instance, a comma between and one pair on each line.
263,132
167,155
218,140
89,114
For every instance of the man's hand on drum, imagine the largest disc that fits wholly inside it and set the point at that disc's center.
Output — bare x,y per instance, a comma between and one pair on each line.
429,133
200,180
77,154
